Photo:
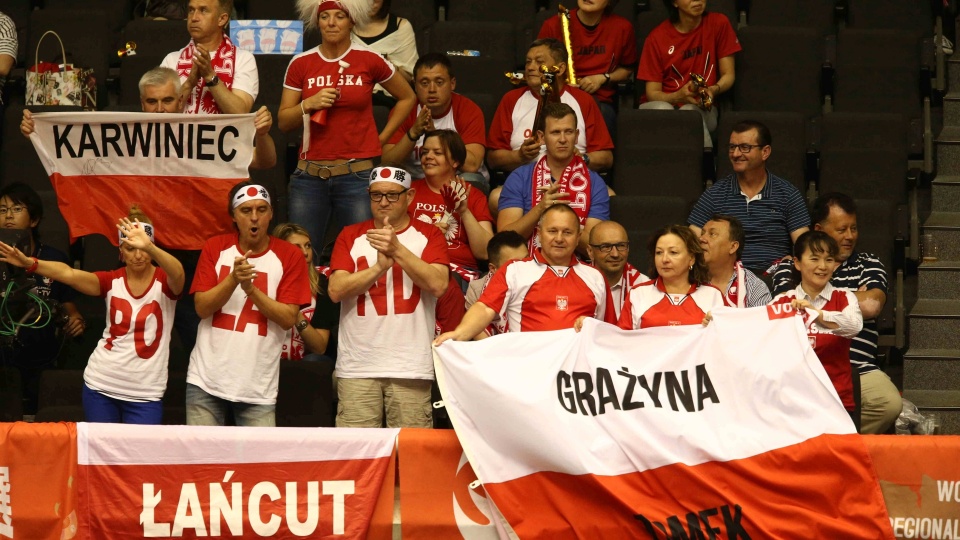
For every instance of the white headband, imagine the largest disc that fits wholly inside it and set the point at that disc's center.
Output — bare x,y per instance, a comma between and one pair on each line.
147,228
252,192
390,174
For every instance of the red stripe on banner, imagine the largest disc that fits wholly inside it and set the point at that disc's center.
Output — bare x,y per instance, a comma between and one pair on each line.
185,210
252,500
824,487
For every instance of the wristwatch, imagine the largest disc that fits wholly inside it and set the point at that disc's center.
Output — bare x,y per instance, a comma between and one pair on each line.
212,82
302,325
586,158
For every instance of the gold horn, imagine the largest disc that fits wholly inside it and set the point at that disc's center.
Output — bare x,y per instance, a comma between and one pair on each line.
564,15
700,87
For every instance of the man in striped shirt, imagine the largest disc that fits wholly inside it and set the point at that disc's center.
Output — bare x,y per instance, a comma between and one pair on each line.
864,275
772,210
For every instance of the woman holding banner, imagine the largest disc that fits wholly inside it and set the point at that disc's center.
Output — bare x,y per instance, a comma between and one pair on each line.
679,292
327,92
126,375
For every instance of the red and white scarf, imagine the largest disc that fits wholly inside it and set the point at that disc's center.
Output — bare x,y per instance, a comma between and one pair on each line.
223,61
575,181
736,293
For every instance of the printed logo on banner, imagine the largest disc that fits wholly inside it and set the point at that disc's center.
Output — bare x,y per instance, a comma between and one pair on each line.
471,506
6,510
780,311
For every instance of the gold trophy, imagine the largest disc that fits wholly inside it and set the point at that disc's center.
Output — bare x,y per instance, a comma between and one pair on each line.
700,87
564,15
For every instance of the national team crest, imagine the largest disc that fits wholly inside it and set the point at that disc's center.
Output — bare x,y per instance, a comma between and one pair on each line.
562,303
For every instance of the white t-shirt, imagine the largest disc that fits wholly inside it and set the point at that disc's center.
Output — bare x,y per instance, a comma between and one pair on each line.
130,361
246,78
237,355
387,331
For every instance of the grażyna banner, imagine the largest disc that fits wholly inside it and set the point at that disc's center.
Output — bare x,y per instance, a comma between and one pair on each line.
178,167
733,431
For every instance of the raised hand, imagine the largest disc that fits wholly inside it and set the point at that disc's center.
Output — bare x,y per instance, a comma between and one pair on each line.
135,234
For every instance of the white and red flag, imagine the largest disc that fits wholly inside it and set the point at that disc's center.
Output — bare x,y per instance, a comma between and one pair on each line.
178,167
194,481
730,431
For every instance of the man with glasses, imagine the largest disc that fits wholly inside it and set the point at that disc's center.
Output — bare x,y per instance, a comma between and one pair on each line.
440,108
388,273
771,209
722,242
609,248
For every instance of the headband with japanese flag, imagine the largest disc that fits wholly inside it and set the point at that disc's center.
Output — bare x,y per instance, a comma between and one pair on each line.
147,228
390,174
253,192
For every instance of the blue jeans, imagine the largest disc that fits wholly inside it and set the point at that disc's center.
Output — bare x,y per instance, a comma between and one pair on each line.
100,408
206,410
312,200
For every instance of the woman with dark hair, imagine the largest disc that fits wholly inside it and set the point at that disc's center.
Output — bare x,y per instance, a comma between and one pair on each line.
36,349
692,41
838,319
327,94
391,36
447,201
126,374
679,292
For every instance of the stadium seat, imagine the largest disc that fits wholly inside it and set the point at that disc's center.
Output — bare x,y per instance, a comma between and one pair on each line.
915,17
864,153
86,39
155,40
816,14
648,19
271,10
487,103
870,82
790,144
11,395
496,43
641,216
728,8
779,70
131,69
99,254
420,13
659,153
305,394
271,68
878,227
117,13
53,228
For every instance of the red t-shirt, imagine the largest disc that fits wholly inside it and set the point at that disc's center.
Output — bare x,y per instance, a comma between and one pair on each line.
350,131
513,121
599,49
428,207
464,117
669,57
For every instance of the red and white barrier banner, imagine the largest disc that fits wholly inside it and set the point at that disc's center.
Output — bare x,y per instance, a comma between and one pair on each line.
733,431
436,496
192,481
920,478
38,491
175,166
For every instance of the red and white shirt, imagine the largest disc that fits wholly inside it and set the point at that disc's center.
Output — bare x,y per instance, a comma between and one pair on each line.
669,56
831,346
350,131
649,305
428,207
513,121
619,292
530,295
237,355
388,330
598,49
130,361
464,117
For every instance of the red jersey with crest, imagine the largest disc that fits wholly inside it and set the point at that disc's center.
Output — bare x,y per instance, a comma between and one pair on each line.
388,330
428,207
130,361
832,346
533,296
649,305
350,130
237,355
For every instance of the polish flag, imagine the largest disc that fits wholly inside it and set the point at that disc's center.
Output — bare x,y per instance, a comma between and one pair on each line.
234,482
729,431
178,167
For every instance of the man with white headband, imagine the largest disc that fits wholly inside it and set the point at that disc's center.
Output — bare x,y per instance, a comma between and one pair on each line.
387,275
248,290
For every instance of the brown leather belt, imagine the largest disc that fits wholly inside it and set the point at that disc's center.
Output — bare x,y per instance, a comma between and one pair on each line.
324,172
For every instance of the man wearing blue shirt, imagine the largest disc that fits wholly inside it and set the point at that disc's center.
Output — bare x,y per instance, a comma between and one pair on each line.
560,176
772,210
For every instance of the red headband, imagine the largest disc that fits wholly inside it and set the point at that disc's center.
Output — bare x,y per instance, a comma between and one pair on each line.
332,4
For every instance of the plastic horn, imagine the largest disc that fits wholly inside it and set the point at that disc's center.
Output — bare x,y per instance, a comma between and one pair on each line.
320,117
700,86
565,25
129,49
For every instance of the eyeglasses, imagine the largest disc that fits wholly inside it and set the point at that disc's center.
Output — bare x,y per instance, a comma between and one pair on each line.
12,210
392,196
607,248
744,148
